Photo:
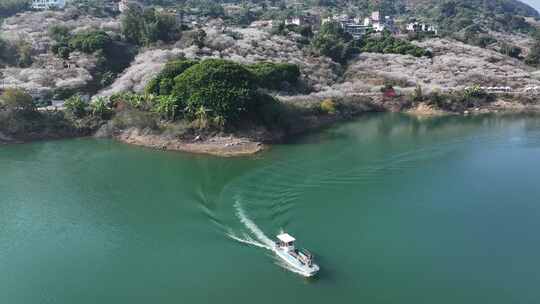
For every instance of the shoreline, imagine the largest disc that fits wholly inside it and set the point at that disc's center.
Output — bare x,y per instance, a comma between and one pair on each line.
236,145
232,145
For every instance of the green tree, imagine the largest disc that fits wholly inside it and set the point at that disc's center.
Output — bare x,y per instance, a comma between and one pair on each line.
133,25
332,41
24,54
225,88
390,45
149,26
90,42
271,75
163,83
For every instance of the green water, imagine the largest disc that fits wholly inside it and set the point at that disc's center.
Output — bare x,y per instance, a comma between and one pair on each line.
396,209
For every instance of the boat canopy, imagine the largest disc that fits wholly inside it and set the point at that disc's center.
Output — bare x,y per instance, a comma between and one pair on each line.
286,238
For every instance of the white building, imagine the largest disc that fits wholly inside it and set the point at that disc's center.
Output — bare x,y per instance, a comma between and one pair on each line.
379,24
351,26
48,4
305,20
421,27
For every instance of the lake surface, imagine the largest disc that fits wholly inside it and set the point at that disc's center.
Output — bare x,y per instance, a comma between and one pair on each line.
396,209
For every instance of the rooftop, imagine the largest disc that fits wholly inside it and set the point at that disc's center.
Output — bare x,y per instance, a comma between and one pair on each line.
286,238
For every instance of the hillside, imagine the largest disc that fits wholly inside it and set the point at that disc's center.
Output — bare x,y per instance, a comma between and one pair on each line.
48,75
486,7
476,16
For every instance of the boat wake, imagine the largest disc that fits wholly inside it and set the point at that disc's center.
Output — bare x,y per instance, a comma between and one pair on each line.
260,239
246,239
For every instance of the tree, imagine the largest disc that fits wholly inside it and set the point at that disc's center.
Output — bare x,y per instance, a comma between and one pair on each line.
332,41
17,100
163,83
90,42
24,52
133,25
389,45
271,75
149,26
222,87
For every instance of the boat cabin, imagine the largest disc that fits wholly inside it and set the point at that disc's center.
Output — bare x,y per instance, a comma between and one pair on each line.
286,241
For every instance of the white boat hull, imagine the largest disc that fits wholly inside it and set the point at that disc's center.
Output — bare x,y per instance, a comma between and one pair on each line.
303,269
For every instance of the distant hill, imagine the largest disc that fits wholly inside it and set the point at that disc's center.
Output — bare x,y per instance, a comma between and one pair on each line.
487,7
471,21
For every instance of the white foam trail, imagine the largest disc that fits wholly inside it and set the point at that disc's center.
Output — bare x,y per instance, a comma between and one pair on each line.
252,226
247,240
264,241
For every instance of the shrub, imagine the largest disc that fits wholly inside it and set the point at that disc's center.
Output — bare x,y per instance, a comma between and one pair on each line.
272,75
76,106
167,107
149,26
106,78
222,87
140,102
59,33
100,108
270,112
328,106
61,50
17,100
90,42
474,91
162,84
390,45
510,50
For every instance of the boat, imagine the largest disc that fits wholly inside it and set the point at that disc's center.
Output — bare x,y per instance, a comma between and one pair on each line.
300,260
